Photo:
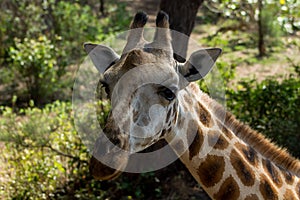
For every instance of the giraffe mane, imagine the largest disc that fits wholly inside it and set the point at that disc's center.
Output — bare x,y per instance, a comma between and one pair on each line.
256,140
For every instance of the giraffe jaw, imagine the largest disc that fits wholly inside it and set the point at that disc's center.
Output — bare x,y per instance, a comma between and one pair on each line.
102,172
108,160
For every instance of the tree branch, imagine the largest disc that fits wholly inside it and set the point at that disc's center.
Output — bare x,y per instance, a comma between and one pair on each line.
64,154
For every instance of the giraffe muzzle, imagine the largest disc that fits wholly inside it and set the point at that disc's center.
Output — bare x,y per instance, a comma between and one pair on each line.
109,158
101,171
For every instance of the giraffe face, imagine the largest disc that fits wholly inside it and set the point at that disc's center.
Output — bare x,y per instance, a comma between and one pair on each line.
143,95
143,100
142,86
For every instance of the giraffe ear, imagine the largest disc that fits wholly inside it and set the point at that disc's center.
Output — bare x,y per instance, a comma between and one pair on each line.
199,64
102,56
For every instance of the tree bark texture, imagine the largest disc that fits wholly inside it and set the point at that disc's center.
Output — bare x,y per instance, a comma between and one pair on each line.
101,7
261,42
182,15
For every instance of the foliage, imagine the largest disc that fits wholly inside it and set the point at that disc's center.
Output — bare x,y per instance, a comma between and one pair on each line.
44,155
75,25
41,39
289,18
72,22
35,171
217,80
20,19
35,65
231,40
277,18
285,12
270,107
270,25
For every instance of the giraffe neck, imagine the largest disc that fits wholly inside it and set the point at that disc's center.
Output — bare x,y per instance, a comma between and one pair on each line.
226,162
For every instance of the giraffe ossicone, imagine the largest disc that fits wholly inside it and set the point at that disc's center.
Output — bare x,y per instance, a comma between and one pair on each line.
153,97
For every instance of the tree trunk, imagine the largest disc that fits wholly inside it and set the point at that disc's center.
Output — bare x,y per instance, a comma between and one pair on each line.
101,7
182,15
261,42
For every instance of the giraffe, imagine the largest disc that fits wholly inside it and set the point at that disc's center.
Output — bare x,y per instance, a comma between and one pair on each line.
240,164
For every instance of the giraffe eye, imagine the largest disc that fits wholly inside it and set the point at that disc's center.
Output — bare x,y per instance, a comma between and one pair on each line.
167,94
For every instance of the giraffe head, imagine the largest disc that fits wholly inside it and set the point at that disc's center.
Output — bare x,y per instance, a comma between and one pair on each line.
142,85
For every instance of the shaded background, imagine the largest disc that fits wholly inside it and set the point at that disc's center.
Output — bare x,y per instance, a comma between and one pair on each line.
42,156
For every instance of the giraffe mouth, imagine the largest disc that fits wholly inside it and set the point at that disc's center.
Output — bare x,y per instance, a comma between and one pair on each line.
108,159
101,171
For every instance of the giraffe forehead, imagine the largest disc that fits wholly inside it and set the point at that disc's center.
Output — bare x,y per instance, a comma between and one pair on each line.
136,76
138,57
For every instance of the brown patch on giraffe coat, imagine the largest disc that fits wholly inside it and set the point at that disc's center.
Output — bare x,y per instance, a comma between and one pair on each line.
249,153
256,140
180,123
188,99
229,190
272,171
194,87
289,195
267,189
224,130
174,107
216,140
204,115
168,115
196,144
191,134
175,117
298,189
211,170
252,197
243,170
289,178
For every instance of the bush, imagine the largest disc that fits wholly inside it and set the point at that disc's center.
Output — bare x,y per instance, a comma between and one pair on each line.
43,151
218,79
44,157
271,107
35,65
39,39
73,22
78,24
